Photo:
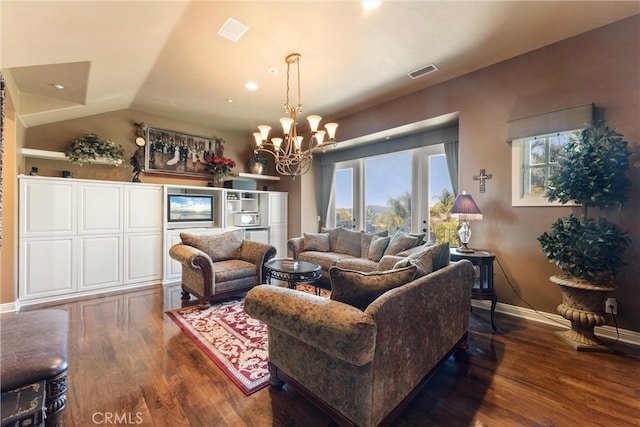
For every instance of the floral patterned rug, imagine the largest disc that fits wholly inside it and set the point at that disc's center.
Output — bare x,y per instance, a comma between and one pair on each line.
232,339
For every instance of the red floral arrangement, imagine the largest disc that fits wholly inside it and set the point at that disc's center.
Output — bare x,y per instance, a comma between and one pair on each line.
219,166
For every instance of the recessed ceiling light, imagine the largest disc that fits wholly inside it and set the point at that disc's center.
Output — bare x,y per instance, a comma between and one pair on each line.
370,4
229,100
58,86
251,86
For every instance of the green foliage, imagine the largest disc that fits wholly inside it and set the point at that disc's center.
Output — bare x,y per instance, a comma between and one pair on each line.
91,146
588,249
592,169
592,172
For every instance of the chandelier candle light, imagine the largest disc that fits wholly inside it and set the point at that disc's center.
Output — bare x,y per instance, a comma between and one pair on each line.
290,156
465,209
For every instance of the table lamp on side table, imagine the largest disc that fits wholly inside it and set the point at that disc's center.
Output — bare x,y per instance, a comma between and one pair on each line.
465,209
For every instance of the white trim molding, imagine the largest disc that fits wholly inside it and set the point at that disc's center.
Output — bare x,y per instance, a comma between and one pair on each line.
608,332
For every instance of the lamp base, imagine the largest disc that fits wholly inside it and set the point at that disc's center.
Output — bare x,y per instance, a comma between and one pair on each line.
464,249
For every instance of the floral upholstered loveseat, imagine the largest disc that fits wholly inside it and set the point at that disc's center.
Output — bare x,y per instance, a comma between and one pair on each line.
352,250
362,353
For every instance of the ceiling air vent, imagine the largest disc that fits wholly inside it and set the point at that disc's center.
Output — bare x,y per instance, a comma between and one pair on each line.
423,71
232,30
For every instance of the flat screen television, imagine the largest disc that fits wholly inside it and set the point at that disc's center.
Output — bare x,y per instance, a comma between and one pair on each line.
189,207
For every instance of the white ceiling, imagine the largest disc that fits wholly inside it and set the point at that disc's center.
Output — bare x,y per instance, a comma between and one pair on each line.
164,57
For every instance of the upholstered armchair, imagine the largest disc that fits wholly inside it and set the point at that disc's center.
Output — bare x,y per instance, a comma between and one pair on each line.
219,266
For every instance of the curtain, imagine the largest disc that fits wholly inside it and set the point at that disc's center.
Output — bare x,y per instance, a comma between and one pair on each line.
451,154
326,191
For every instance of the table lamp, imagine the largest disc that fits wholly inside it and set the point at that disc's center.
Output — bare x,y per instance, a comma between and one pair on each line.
465,209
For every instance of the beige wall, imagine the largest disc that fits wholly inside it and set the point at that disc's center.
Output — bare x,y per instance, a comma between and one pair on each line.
9,200
602,67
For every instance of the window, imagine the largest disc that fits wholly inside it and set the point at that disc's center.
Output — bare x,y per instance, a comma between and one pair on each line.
390,191
533,159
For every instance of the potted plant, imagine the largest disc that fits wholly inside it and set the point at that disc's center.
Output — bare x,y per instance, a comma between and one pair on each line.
219,167
257,163
591,172
91,147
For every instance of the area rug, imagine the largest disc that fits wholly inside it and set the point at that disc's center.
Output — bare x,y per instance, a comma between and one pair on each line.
232,339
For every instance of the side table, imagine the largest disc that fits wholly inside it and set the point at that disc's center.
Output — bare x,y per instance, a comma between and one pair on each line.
483,287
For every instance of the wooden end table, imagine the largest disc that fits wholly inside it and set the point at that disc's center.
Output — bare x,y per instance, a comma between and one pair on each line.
483,287
293,271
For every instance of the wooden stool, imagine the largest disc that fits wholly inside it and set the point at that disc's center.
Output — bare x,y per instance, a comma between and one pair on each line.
34,367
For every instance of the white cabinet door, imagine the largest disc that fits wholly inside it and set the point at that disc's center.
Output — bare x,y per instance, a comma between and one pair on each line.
142,257
100,208
260,236
47,267
172,268
100,261
278,208
47,207
278,239
143,205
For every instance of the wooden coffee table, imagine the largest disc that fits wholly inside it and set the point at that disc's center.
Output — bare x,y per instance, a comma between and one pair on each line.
293,271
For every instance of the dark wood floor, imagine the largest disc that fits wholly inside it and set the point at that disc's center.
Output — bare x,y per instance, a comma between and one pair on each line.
130,364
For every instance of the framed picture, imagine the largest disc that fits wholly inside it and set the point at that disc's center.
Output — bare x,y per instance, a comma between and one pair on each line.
176,153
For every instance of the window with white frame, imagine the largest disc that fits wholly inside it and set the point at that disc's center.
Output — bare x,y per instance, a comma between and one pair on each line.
390,191
533,159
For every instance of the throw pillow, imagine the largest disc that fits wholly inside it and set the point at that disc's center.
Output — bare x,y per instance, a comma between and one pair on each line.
400,242
422,260
316,242
348,242
361,289
333,236
377,247
365,241
419,236
219,247
442,256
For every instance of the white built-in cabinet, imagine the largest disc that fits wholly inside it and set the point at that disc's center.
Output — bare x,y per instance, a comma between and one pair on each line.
80,236
271,208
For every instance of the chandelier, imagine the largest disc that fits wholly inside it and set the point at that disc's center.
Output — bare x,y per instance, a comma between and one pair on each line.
289,152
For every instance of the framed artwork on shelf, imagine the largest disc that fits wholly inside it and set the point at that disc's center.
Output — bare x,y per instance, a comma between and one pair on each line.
176,153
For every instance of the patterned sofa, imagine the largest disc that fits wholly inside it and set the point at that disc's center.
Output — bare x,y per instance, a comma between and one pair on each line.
362,354
352,250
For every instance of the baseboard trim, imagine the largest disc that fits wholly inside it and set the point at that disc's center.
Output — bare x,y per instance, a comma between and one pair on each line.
10,307
608,332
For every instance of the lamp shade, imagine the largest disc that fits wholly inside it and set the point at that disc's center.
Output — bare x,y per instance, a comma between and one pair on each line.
465,208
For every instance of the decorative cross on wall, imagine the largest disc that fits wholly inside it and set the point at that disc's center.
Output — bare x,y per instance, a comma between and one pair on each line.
483,178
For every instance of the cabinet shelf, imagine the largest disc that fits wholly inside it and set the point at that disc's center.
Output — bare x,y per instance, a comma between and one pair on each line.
54,155
253,176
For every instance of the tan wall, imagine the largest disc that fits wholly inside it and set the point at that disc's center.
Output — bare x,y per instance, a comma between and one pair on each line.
9,201
601,66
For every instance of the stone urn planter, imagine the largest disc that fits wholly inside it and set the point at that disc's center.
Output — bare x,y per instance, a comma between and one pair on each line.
582,304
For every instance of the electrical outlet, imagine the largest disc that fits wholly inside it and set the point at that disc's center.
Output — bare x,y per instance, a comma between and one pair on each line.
611,306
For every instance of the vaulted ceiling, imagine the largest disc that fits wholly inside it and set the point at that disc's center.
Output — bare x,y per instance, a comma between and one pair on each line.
166,58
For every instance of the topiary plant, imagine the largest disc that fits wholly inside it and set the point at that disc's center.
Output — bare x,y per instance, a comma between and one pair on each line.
88,148
591,172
